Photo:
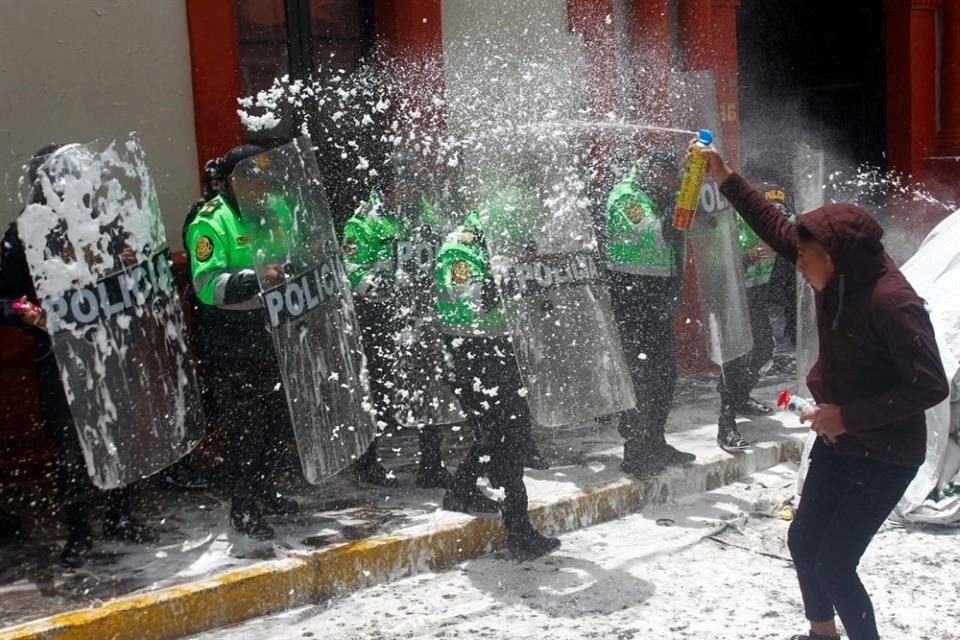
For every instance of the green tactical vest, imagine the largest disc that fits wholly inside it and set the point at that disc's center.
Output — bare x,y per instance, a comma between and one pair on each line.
634,228
221,242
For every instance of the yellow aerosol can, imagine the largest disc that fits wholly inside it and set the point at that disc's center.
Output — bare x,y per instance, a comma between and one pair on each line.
693,178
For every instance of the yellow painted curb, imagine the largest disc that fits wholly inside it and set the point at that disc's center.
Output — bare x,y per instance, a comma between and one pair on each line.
277,585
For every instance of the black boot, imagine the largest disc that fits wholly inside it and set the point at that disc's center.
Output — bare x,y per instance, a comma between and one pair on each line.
368,469
638,459
246,518
526,543
670,456
474,501
728,436
79,536
813,636
119,524
276,504
432,474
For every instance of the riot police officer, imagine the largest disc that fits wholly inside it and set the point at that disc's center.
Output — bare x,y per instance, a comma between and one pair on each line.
483,360
20,307
240,355
741,375
644,257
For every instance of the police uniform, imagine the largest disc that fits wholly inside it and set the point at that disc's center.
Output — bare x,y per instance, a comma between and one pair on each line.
476,335
241,360
644,258
741,375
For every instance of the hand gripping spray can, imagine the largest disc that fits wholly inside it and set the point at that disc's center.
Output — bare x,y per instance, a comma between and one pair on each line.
693,178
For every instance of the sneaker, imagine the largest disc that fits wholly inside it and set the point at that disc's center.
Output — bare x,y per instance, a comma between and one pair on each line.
434,477
530,544
670,456
473,502
754,408
127,528
246,518
277,504
78,546
729,439
376,474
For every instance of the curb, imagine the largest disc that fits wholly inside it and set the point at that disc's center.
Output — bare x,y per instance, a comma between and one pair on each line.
276,585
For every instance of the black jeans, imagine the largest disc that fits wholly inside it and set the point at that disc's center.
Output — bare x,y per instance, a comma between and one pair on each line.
844,502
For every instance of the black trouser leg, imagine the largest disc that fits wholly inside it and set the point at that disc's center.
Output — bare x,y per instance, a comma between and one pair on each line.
252,405
643,308
506,471
73,481
431,440
844,502
740,376
499,422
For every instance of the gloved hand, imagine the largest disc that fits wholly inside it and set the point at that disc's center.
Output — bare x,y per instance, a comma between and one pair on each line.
241,287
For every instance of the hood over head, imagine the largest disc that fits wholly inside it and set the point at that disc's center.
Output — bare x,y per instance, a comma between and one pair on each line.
851,237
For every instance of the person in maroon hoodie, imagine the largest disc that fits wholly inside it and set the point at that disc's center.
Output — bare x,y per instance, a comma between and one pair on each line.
878,370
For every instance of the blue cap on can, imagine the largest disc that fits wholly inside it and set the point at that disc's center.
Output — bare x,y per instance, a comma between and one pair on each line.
705,137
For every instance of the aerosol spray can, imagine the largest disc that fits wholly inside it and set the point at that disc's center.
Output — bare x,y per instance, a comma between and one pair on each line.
693,178
793,404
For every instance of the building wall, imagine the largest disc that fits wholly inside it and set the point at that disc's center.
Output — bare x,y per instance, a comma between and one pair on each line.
77,70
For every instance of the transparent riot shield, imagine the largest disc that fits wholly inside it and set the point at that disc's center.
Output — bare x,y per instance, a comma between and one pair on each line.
544,259
714,241
309,307
98,256
808,190
422,392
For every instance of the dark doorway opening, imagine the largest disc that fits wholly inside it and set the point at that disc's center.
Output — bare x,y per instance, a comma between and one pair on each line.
811,72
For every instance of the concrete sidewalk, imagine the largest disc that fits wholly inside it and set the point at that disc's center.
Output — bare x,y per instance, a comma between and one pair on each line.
200,576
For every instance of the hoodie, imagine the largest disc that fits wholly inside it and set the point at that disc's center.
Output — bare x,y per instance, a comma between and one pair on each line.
878,358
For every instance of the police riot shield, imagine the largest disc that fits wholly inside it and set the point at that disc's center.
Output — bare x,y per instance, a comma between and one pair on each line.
808,190
98,256
423,395
309,308
544,258
714,241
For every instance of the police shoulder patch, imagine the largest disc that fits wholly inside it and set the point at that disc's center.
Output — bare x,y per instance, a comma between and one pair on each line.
204,248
